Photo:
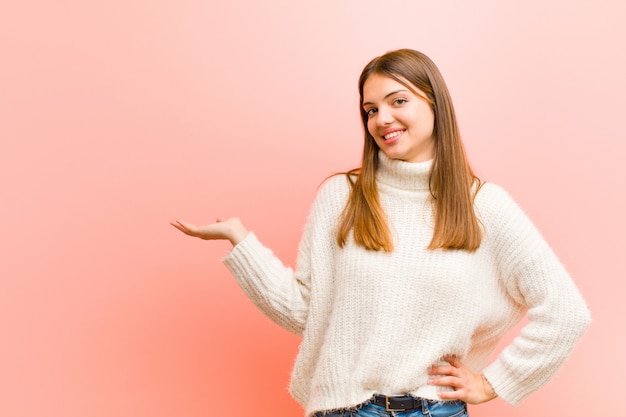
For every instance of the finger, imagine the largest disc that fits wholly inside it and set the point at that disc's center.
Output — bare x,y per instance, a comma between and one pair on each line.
443,370
186,225
453,360
186,228
451,395
177,225
446,381
192,229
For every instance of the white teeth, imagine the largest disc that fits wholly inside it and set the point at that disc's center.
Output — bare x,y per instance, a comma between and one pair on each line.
393,134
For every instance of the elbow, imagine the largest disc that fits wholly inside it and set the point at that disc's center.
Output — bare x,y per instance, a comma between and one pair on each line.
585,318
576,320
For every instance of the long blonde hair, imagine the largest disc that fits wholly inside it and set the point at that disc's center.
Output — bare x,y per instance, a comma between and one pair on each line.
452,182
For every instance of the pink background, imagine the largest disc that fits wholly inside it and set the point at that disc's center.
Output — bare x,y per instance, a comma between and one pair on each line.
118,116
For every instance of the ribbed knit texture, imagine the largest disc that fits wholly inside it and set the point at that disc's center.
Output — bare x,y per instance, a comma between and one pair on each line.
373,322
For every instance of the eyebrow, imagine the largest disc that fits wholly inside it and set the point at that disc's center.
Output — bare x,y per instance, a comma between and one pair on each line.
388,95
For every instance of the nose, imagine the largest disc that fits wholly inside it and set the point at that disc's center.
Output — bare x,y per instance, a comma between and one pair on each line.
385,117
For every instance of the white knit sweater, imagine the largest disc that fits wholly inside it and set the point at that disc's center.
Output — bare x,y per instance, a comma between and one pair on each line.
373,322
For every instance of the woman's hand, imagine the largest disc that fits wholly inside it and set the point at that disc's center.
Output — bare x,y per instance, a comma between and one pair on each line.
468,386
231,229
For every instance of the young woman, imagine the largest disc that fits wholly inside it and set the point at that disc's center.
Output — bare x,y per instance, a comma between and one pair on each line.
410,270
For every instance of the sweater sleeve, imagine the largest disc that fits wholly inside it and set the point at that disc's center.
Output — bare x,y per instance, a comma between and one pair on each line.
534,277
281,293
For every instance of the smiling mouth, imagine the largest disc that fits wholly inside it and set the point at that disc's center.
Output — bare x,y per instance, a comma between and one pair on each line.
393,134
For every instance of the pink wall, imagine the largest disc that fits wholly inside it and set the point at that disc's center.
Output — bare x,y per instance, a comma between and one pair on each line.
118,116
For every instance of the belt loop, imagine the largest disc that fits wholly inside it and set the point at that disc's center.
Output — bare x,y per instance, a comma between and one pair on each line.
425,409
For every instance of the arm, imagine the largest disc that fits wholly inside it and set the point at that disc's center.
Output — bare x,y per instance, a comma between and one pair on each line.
280,293
535,278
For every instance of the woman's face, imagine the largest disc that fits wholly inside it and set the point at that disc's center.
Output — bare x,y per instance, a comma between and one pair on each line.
400,121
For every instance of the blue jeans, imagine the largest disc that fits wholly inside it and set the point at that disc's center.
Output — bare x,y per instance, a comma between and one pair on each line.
429,408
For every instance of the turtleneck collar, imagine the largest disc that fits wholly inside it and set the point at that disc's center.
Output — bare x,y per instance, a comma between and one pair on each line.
409,176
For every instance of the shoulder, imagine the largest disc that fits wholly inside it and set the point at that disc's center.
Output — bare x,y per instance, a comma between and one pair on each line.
330,200
333,190
497,209
490,193
492,199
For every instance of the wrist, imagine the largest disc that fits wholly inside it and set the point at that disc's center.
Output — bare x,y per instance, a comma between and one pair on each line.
490,393
237,232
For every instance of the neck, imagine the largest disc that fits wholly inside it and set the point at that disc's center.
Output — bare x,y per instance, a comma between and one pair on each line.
410,176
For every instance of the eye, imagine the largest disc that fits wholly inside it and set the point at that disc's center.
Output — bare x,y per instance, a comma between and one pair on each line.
371,112
399,101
